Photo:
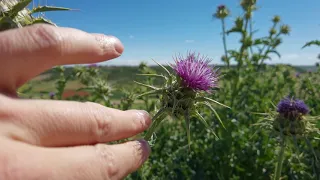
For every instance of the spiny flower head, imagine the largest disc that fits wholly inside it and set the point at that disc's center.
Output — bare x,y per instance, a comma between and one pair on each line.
221,12
52,94
290,118
221,7
292,108
195,72
181,95
276,19
285,29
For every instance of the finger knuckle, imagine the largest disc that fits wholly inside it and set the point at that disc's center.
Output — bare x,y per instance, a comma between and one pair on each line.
108,159
101,121
46,37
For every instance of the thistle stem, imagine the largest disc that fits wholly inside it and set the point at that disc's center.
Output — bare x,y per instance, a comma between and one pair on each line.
225,42
156,120
278,169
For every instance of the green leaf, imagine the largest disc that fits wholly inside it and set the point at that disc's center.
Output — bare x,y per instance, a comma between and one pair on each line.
7,23
215,112
149,93
257,42
146,85
162,67
202,99
310,43
41,20
205,123
274,52
234,30
18,7
155,75
48,8
187,120
156,121
257,113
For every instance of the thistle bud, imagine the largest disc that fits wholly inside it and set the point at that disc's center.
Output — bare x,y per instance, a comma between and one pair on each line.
221,12
272,31
248,5
285,29
51,95
276,19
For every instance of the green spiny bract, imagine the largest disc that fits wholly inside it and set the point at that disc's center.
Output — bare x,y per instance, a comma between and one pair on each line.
183,92
15,14
291,119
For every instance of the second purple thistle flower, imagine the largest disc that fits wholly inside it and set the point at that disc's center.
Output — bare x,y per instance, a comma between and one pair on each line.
292,108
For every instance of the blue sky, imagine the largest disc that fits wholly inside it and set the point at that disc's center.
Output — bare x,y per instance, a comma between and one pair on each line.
158,30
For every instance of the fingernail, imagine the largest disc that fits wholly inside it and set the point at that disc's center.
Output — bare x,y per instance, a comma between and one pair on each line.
145,149
145,117
109,42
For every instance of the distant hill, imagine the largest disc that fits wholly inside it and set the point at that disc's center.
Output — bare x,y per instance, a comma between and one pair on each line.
128,73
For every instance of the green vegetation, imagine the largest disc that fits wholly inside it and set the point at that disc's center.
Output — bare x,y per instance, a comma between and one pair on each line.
241,150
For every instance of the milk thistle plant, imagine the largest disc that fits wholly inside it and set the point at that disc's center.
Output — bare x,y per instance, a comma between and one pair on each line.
290,121
15,14
184,91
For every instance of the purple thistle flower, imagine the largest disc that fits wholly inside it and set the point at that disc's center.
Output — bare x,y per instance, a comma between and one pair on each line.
292,108
52,94
221,7
298,74
195,72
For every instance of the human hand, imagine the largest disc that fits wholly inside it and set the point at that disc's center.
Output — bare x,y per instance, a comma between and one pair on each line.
47,139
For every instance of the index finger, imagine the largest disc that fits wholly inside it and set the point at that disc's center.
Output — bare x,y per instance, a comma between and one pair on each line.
28,51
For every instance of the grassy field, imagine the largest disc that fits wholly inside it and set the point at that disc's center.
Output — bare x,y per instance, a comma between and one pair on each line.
117,77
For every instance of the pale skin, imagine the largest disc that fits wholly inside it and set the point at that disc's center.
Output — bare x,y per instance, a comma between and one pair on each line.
54,140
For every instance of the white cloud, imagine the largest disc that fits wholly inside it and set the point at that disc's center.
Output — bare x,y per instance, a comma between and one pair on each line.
295,59
131,36
189,41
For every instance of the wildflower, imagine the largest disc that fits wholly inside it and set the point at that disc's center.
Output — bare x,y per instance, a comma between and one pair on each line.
298,75
184,89
290,122
285,29
248,5
196,73
221,12
292,109
276,19
291,118
52,94
273,31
